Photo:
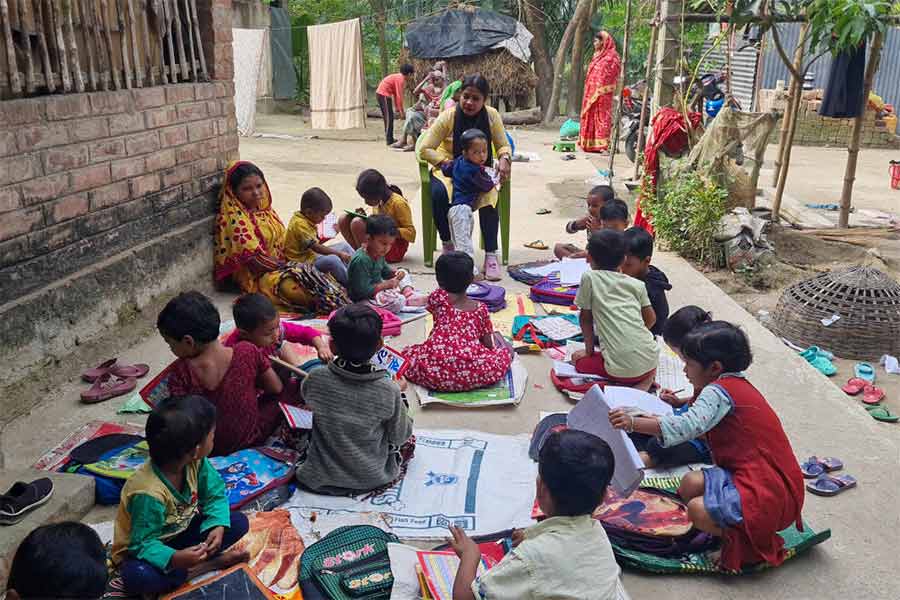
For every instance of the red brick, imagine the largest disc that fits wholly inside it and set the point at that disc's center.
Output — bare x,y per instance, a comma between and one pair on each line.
68,106
220,89
96,222
145,184
67,207
110,195
21,112
204,91
107,150
228,142
8,142
66,158
149,97
201,130
52,238
20,222
129,167
192,111
43,136
207,166
190,152
142,143
178,175
160,117
222,126
19,168
89,129
9,198
176,94
164,159
110,103
91,177
126,123
173,136
46,188
214,108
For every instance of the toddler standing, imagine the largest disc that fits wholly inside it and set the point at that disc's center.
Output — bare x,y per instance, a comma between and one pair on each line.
301,241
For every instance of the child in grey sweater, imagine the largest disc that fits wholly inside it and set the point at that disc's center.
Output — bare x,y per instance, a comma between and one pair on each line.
362,435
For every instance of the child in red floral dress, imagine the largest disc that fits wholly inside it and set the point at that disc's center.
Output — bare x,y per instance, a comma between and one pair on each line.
459,354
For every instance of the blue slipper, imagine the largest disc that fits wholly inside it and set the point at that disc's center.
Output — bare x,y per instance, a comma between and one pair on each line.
865,371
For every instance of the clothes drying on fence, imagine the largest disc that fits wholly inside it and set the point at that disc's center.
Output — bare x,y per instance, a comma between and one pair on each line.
337,79
843,94
248,46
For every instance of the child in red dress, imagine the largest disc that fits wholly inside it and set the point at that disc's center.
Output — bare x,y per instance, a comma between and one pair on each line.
459,354
756,488
227,377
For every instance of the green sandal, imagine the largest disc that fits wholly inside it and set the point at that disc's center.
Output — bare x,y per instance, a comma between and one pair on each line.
881,413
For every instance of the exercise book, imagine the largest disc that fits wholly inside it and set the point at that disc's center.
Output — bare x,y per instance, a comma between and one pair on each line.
477,481
670,372
509,390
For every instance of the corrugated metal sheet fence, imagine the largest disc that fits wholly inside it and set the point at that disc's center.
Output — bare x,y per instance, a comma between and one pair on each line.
887,80
743,69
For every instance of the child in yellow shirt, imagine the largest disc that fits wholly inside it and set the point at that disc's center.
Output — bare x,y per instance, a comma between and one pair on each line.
302,244
384,199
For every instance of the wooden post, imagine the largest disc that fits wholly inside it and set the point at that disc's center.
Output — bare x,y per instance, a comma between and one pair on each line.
49,79
110,51
196,23
190,36
135,47
173,63
151,74
639,149
29,64
86,31
61,53
178,29
853,147
794,86
73,45
123,42
15,84
159,12
791,124
96,42
620,85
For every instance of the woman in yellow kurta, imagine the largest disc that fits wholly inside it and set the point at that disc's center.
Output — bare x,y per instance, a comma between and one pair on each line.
441,145
250,248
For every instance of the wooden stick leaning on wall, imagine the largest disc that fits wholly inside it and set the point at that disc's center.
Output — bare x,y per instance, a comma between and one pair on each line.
178,31
49,78
113,71
190,36
144,8
15,84
72,45
61,53
160,19
120,19
135,47
196,23
86,31
167,19
103,60
29,65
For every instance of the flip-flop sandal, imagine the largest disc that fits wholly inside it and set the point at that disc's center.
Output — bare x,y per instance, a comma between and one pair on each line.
91,375
543,211
22,498
881,413
814,351
854,386
136,371
815,466
107,387
537,245
831,485
823,365
872,395
865,370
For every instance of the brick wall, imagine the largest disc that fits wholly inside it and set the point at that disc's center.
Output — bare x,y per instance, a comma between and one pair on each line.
814,130
85,176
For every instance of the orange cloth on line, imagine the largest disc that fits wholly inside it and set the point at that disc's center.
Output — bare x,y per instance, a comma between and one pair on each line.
392,86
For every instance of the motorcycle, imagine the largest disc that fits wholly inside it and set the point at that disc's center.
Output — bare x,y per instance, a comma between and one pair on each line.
708,100
632,98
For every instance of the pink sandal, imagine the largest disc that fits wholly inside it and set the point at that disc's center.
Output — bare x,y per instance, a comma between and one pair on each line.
112,367
872,395
108,386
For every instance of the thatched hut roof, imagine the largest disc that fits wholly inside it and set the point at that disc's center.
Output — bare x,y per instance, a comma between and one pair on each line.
507,75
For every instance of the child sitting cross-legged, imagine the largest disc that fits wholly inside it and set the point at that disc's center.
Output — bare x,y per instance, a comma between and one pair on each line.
301,241
596,200
615,308
385,199
460,353
227,377
756,488
362,435
567,555
371,279
174,522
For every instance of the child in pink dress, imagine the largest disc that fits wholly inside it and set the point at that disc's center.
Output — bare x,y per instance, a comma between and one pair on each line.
459,354
227,377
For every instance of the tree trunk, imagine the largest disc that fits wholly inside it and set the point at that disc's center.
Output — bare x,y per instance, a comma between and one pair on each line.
543,67
582,12
576,73
794,87
853,148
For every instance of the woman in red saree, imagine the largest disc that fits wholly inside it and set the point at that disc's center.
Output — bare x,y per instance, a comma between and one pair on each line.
599,86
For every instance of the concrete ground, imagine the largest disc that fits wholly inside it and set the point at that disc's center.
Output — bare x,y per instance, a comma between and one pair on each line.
859,561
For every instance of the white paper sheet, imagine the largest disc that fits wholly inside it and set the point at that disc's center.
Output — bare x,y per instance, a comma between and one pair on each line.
557,328
543,270
670,372
297,418
591,414
571,270
624,396
565,369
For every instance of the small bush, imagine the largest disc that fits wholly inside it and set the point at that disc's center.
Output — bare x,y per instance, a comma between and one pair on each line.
686,215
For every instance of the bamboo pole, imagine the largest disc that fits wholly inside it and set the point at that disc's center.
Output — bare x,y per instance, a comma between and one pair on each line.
791,123
144,7
29,64
173,64
103,59
639,149
793,91
113,71
617,115
61,53
190,36
853,147
15,84
135,48
196,23
123,39
81,5
160,14
42,46
72,45
179,40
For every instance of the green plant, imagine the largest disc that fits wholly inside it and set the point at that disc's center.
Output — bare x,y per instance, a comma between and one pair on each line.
686,215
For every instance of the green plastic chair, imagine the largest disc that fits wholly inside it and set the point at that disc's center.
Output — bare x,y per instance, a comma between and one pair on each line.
429,231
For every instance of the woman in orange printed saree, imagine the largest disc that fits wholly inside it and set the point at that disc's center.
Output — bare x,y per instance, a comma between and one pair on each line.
599,86
250,248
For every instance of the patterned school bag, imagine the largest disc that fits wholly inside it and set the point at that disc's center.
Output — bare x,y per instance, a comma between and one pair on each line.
551,291
350,563
492,296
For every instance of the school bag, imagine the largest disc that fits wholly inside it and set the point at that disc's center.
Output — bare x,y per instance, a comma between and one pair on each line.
110,460
523,330
492,296
350,563
519,272
551,291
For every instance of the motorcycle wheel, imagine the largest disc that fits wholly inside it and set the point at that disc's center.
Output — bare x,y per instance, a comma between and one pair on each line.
631,145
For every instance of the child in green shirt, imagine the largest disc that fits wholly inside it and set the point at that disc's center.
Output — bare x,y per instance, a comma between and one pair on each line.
174,521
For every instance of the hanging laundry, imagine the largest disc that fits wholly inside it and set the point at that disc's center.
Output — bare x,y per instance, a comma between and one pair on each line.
337,78
843,93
